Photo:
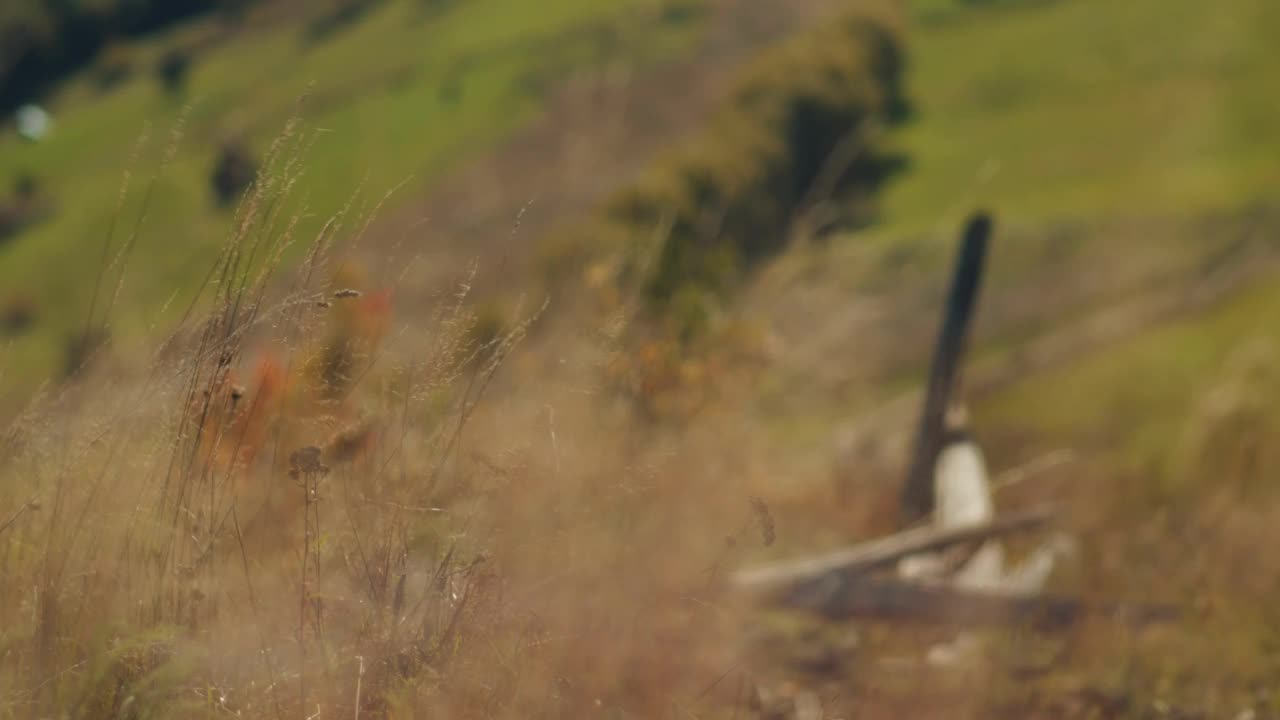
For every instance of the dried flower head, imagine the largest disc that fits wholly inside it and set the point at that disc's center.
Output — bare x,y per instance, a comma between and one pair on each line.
306,461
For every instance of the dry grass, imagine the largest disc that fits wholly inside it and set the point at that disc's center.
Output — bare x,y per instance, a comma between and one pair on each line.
314,502
286,515
312,505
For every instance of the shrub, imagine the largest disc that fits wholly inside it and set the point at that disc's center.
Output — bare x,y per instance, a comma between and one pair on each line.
800,124
173,68
233,172
11,221
735,191
18,314
28,205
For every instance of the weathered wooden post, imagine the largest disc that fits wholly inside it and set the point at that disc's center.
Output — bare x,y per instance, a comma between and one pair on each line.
918,491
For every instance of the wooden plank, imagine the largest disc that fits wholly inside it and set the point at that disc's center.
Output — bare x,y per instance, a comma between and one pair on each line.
876,554
844,598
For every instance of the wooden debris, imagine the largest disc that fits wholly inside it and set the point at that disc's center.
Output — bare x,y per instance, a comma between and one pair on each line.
954,490
841,598
879,553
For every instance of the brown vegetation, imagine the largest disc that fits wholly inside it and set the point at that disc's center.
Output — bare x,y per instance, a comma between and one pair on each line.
800,127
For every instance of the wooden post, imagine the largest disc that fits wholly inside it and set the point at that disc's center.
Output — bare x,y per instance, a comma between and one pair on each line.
917,493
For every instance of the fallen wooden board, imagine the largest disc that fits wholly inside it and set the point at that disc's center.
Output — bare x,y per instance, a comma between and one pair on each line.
842,598
876,554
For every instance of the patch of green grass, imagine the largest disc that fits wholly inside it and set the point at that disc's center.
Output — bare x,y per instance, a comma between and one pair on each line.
399,95
1074,107
1141,399
1117,144
1121,146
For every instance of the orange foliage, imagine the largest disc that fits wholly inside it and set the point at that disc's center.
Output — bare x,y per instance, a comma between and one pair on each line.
294,402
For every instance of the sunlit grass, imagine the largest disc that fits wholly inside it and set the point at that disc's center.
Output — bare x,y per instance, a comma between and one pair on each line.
1138,398
401,95
1072,107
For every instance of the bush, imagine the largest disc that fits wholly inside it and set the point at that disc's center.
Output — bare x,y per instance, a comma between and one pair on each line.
233,172
172,70
802,122
11,221
26,206
18,314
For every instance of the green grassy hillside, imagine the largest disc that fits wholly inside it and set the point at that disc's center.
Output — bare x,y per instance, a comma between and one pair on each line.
402,93
1152,120
1123,148
1079,107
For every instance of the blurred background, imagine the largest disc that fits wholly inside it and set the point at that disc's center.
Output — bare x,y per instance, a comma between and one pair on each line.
738,219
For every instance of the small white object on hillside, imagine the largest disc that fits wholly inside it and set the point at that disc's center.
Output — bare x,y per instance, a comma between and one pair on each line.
33,122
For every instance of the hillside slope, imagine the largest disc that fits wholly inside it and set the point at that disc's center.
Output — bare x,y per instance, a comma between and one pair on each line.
1127,324
500,537
399,95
